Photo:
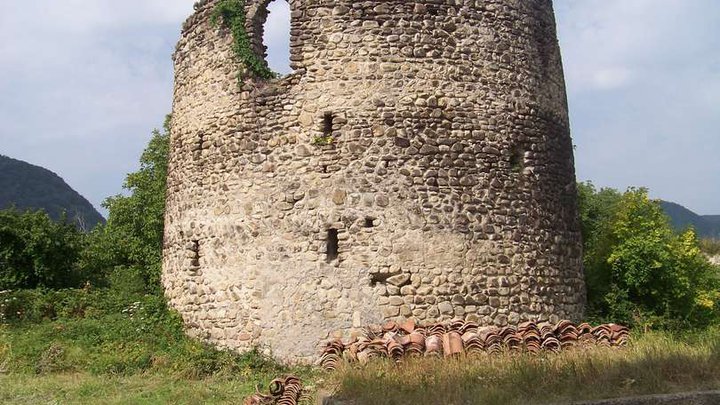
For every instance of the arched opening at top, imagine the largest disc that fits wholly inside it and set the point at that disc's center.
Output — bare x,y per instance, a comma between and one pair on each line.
276,36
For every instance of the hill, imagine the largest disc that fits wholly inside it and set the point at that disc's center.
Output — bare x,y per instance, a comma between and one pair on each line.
27,186
707,226
713,219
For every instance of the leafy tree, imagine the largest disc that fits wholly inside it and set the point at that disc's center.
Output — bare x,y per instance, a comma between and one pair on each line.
36,251
597,208
639,271
132,238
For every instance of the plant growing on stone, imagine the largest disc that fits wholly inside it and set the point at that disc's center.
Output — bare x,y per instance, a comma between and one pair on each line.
323,140
231,14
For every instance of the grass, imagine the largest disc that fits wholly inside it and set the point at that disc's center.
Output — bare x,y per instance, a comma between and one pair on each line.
83,388
102,347
92,361
111,346
710,246
654,363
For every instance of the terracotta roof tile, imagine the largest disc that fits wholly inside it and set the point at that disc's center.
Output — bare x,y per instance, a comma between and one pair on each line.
455,338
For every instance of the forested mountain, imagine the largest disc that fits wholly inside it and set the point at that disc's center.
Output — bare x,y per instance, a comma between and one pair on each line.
27,186
707,226
713,219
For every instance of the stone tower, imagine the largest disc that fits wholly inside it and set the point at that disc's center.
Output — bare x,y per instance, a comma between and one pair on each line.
417,164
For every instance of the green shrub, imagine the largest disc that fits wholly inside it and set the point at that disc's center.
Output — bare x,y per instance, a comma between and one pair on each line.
597,209
35,306
638,270
110,331
36,252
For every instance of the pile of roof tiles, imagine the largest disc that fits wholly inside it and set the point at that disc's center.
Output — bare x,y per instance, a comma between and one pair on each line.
283,391
397,341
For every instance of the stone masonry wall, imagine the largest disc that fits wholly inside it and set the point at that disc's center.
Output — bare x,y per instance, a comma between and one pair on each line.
447,179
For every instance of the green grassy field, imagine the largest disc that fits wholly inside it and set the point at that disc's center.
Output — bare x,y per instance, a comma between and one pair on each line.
74,388
110,346
93,347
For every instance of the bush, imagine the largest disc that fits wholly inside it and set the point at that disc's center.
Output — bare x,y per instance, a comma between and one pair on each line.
597,208
638,270
109,331
38,305
36,252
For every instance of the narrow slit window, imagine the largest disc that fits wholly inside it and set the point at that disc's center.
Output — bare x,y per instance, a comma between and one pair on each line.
200,141
328,125
332,244
517,160
195,253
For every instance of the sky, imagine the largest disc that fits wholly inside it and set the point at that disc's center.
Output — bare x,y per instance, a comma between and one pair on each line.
84,82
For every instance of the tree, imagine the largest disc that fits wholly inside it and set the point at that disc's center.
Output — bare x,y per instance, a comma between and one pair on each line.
36,251
132,238
597,208
639,271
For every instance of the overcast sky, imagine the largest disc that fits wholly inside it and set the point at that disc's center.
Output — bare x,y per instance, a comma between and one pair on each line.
84,82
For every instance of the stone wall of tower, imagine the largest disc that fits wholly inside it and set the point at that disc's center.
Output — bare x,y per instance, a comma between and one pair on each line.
431,138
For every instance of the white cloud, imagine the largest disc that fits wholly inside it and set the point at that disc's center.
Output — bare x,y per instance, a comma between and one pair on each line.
610,78
85,16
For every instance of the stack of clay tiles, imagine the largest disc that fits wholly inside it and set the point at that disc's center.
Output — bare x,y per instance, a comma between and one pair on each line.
397,341
283,391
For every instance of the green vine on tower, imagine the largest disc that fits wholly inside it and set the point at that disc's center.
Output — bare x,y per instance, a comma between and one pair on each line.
231,14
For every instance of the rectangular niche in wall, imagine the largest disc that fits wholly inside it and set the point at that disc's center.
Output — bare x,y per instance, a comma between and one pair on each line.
328,124
199,145
369,222
332,244
195,253
517,160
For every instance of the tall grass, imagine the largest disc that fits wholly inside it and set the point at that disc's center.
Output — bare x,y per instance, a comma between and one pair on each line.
80,388
653,363
710,246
